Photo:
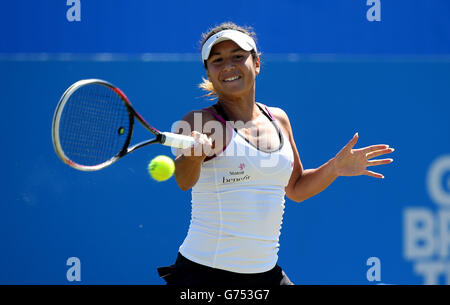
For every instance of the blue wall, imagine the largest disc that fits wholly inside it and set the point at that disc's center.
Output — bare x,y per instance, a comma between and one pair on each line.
286,26
388,80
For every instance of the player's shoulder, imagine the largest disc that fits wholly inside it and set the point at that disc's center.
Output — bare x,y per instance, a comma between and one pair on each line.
204,113
198,118
279,114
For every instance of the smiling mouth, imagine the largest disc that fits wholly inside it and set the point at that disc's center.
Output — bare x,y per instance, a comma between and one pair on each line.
233,78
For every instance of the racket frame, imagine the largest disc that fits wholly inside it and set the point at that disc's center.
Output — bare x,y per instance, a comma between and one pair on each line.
131,115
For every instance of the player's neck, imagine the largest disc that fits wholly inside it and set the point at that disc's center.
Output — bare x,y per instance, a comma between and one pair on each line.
241,108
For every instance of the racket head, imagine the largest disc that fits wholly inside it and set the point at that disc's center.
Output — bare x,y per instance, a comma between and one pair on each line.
92,125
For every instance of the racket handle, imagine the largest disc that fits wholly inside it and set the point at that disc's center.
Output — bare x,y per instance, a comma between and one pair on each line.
177,140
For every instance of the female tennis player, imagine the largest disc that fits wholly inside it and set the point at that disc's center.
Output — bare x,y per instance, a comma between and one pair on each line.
244,163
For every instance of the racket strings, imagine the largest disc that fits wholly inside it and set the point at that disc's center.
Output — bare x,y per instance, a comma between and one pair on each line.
94,125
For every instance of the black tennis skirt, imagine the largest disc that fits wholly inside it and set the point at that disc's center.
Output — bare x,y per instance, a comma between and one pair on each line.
188,273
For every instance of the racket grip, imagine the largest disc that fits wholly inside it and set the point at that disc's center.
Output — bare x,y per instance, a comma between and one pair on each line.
177,140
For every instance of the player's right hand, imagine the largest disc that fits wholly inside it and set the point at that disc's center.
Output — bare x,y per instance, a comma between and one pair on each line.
202,147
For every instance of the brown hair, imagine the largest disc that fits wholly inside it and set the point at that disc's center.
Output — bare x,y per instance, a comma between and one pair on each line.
206,85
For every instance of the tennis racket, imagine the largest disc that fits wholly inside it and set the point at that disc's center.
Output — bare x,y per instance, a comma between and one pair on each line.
93,125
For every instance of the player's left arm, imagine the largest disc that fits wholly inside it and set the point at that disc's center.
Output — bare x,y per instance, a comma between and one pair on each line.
305,183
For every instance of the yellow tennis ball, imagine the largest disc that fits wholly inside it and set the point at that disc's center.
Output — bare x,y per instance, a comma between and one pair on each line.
161,168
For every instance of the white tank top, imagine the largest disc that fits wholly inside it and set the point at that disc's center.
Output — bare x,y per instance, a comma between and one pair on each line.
238,206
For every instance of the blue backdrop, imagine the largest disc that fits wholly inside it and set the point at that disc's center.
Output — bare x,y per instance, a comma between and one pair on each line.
331,69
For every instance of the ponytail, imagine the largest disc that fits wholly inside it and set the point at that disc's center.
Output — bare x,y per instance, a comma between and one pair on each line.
207,86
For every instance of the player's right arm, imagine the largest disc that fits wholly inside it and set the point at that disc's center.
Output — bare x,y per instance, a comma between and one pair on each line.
188,162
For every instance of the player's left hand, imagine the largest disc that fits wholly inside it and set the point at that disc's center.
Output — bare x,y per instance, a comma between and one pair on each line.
353,162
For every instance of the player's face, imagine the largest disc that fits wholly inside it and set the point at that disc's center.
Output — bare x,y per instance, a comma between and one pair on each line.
231,70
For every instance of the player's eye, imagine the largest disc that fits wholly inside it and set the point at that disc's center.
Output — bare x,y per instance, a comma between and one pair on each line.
217,60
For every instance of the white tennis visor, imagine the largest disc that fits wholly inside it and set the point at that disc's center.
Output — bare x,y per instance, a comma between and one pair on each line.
244,41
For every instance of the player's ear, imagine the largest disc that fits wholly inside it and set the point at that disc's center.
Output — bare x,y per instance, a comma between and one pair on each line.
257,64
